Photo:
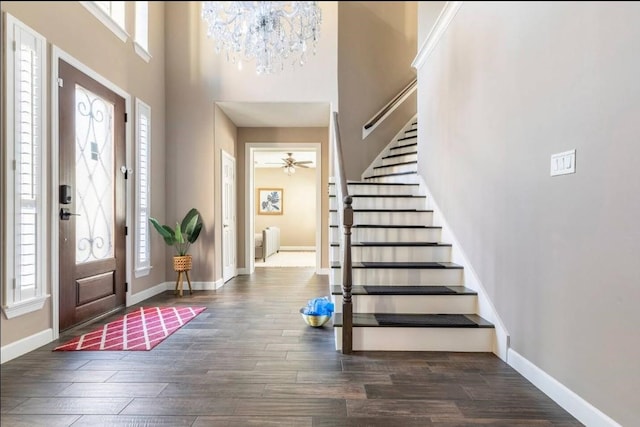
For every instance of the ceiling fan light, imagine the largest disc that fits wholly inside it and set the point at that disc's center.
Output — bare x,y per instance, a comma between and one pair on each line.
289,170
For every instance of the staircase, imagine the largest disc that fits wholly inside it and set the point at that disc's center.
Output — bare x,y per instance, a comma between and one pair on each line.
407,294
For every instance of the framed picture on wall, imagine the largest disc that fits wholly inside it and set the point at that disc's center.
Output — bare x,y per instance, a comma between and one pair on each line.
270,201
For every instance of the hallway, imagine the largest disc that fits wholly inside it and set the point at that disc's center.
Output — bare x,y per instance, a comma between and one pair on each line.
249,359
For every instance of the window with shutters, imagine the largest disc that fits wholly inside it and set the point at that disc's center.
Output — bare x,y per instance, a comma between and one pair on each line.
141,40
25,228
111,14
143,182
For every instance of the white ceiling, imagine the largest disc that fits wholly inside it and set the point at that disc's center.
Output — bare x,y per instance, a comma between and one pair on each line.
277,114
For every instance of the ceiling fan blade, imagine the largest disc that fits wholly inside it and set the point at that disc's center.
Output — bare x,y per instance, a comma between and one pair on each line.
298,165
302,163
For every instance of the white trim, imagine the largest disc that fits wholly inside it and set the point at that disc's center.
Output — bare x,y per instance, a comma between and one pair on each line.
142,109
25,345
147,293
242,272
585,412
141,272
297,248
324,271
439,28
107,20
24,307
250,149
142,52
227,157
56,55
486,308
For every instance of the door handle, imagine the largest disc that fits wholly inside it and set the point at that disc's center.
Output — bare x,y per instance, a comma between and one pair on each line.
65,214
225,225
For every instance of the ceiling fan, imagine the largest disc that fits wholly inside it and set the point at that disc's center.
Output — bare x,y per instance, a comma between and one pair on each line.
290,164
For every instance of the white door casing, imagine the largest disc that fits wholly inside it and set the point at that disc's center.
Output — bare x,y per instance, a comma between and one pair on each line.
228,171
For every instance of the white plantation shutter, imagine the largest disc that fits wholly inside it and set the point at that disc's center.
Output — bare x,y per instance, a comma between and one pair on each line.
143,163
25,228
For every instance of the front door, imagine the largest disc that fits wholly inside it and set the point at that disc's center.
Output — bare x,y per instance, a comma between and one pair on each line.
228,216
91,205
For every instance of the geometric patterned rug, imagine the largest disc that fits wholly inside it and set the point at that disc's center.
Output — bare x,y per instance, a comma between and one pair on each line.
140,330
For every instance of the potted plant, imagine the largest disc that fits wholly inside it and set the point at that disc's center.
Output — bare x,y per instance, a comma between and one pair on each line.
181,238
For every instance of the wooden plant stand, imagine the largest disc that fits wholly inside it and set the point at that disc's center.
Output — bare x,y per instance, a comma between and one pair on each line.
182,266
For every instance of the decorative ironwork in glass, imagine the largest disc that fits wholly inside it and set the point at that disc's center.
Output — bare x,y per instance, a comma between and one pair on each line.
94,177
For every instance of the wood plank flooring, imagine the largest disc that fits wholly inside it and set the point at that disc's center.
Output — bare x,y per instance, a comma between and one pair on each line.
250,360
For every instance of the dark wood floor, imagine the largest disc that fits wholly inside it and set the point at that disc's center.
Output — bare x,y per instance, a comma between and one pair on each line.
249,360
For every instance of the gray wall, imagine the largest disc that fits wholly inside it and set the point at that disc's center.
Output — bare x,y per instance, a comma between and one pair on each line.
509,85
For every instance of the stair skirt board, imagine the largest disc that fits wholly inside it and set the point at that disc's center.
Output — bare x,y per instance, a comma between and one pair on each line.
387,217
415,304
395,253
375,234
397,276
419,339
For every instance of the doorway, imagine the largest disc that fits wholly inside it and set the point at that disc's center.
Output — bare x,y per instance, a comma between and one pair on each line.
91,209
268,170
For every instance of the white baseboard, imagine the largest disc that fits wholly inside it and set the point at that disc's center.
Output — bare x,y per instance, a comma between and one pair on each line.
297,248
137,298
323,271
202,286
25,345
242,271
582,410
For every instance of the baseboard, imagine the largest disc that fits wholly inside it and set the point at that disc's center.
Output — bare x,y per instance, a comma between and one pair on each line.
323,271
486,308
242,271
582,410
297,248
203,286
137,298
25,345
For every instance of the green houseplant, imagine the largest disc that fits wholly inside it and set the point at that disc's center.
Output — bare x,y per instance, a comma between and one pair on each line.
181,238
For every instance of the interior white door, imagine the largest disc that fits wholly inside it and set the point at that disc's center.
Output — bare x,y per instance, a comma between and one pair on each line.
228,216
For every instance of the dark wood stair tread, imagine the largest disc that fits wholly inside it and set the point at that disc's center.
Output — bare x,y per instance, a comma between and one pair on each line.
387,210
390,226
393,196
391,174
397,244
413,162
415,320
376,183
405,290
406,265
399,155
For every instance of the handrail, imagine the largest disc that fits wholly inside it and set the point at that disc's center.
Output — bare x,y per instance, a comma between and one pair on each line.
389,108
345,211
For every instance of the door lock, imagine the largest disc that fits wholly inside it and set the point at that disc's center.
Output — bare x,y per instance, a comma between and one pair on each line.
65,214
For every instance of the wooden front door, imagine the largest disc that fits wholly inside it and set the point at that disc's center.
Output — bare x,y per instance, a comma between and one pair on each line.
91,202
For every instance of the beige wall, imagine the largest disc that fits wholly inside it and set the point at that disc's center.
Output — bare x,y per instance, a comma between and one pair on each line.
377,43
509,85
298,220
196,79
98,48
281,136
428,12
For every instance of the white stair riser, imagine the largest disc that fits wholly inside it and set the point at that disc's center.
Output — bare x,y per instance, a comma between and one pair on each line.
401,276
408,178
409,167
404,148
383,202
409,157
396,253
378,190
419,339
418,304
389,218
366,234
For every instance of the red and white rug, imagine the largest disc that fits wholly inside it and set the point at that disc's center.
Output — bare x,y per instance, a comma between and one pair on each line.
142,329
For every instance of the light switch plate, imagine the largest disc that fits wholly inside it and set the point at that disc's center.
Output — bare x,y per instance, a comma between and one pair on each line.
563,163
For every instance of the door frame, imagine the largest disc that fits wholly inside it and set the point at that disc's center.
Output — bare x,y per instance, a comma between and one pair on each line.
250,208
54,179
225,155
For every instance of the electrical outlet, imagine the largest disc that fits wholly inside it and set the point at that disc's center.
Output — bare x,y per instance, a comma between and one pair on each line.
563,163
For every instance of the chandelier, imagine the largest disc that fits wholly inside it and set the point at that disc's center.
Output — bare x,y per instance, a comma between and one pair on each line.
271,32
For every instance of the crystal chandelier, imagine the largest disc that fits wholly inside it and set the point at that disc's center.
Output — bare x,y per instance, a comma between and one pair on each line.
271,32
